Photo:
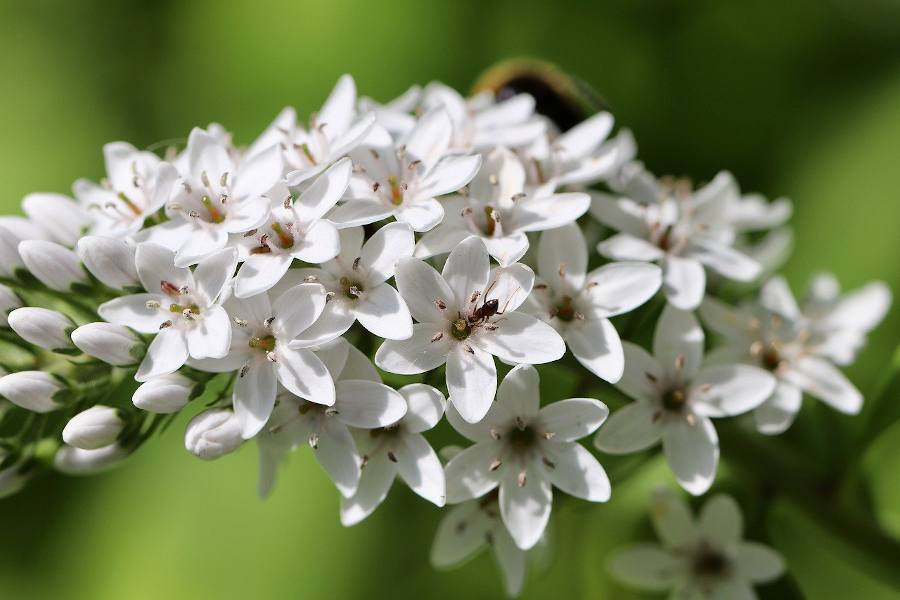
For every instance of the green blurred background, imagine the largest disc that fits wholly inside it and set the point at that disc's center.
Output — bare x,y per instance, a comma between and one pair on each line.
797,98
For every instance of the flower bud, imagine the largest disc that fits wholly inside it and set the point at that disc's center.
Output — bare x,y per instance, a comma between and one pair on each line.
213,433
55,266
8,301
60,216
31,390
77,461
113,344
164,394
13,230
42,327
110,260
93,428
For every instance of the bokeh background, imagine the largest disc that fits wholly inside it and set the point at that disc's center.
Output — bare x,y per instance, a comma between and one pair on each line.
798,98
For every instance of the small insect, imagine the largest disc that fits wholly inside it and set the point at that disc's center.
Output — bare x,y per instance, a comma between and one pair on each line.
488,308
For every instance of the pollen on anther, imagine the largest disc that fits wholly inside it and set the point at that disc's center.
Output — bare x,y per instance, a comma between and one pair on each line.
437,337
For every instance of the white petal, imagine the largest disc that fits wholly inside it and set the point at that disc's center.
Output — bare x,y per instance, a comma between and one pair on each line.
672,518
132,311
862,309
576,472
646,567
521,338
721,522
421,287
624,246
383,312
632,428
441,239
52,264
426,406
297,308
519,392
340,106
166,354
260,272
562,257
58,215
468,473
325,191
776,296
462,532
510,286
584,137
382,251
214,272
642,371
320,243
429,139
201,242
622,214
678,339
206,153
450,174
374,484
729,390
304,375
110,260
367,404
254,397
420,468
822,380
549,212
727,321
777,413
359,212
467,269
259,173
337,453
572,419
471,381
210,336
618,288
417,354
525,509
422,215
692,452
684,282
725,260
336,318
511,560
758,563
597,346
156,263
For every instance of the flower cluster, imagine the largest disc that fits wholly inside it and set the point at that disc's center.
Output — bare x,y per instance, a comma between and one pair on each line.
460,232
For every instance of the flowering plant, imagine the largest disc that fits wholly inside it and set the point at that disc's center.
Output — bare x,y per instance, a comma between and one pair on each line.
395,268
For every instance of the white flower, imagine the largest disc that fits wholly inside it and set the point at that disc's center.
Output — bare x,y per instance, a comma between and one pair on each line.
396,115
9,301
213,434
42,327
113,344
699,558
93,428
400,450
13,231
675,398
525,450
136,186
361,402
333,132
293,229
357,288
36,391
498,209
480,122
164,394
774,335
52,264
181,307
215,197
264,353
110,260
466,316
58,215
580,156
578,304
840,323
403,181
467,528
678,228
78,461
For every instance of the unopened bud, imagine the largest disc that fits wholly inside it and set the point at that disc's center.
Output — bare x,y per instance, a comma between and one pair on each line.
8,301
164,394
42,327
78,461
55,266
93,428
60,216
31,390
213,433
110,260
113,344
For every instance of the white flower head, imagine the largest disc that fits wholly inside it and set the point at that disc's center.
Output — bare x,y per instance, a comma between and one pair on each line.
403,179
525,450
676,396
399,450
356,281
498,208
183,308
705,557
136,186
216,197
775,335
361,401
467,315
293,229
665,221
265,352
578,304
